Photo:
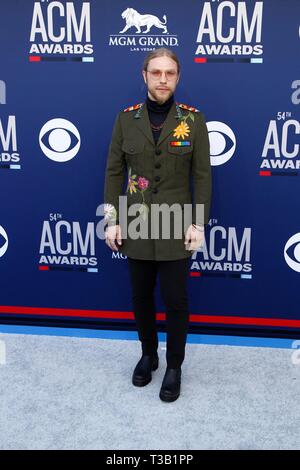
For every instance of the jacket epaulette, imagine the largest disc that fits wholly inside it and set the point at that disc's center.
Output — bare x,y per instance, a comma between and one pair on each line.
133,108
189,108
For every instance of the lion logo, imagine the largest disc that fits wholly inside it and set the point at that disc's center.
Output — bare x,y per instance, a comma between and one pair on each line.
133,18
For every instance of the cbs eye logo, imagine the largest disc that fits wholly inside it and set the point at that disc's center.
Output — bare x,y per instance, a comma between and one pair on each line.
220,135
59,140
292,252
3,241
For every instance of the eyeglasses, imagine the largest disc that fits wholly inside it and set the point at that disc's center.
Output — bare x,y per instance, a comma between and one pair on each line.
157,74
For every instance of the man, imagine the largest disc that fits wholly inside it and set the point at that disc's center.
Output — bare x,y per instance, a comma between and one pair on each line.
161,145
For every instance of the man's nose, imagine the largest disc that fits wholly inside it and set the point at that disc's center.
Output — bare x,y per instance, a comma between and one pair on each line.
163,77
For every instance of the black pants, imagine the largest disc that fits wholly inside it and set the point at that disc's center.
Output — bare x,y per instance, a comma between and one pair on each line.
174,292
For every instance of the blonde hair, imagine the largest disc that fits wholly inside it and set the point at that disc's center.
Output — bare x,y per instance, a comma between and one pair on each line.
160,52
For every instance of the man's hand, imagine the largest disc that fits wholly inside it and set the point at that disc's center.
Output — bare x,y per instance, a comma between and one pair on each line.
194,238
113,233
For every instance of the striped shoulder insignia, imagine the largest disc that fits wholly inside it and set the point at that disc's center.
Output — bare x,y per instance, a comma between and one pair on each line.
132,108
189,108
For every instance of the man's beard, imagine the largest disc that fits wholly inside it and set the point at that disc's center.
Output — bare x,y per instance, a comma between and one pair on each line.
158,98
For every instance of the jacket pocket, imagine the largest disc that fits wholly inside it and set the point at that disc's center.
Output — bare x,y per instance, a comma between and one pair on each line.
133,151
178,150
179,156
132,147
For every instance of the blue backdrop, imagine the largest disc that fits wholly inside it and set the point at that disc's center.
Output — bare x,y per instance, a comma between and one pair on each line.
67,68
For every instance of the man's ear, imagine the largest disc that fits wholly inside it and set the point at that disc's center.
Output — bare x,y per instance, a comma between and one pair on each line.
144,76
178,78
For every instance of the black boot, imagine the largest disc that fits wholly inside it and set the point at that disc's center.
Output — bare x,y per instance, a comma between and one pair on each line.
142,372
170,389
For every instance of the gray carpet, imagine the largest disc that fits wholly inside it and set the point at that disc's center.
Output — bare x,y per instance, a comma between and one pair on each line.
76,393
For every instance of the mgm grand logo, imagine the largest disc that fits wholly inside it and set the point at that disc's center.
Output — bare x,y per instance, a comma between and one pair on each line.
143,32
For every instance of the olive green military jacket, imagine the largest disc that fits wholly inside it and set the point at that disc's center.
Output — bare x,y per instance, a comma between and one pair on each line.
175,170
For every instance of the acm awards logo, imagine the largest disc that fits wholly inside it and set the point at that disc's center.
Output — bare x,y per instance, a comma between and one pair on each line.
61,29
9,155
67,245
226,252
230,29
143,32
280,155
292,246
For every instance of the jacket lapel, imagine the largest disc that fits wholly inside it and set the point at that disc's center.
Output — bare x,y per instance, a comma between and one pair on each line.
143,123
170,123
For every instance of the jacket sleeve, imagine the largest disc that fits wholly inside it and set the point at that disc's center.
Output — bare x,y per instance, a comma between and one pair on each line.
115,174
201,172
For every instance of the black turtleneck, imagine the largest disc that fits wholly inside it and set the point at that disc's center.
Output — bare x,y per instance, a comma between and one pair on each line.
158,113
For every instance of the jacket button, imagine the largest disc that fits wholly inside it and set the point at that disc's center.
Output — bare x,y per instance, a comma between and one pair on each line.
157,178
154,190
157,165
157,151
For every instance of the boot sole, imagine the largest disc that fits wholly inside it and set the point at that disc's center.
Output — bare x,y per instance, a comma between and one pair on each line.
142,383
168,398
